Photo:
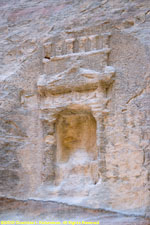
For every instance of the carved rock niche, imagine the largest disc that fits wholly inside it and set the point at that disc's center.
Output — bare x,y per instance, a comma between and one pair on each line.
73,99
76,147
76,131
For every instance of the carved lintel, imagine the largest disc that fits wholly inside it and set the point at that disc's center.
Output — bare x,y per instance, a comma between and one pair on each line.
75,79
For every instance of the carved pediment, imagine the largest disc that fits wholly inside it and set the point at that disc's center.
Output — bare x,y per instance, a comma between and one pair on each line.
75,79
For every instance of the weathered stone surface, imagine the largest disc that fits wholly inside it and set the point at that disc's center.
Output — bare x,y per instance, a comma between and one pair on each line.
32,210
75,103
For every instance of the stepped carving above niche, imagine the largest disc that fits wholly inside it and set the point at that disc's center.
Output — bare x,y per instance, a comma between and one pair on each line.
75,79
77,45
76,64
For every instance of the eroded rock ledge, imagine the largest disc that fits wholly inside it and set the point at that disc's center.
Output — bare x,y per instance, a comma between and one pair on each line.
32,210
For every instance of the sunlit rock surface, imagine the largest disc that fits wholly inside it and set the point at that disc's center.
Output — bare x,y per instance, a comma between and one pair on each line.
75,105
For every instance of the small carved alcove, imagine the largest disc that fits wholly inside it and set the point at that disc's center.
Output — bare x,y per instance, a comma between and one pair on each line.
77,151
76,130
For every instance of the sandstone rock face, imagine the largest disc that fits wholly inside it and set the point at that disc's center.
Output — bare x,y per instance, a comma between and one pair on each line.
75,103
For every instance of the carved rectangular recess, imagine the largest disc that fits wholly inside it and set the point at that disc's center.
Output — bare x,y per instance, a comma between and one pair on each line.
75,132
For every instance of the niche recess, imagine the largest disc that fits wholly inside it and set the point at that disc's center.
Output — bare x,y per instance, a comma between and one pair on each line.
76,153
76,131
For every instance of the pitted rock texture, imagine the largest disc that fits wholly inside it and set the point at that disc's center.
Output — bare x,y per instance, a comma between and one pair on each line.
75,103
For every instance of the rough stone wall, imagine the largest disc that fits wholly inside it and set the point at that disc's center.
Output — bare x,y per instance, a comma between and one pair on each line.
52,60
